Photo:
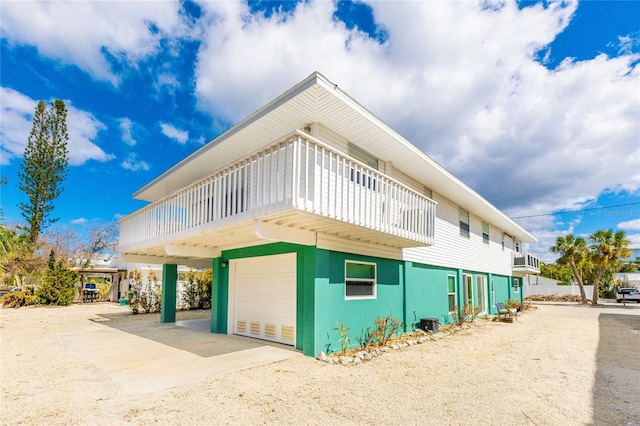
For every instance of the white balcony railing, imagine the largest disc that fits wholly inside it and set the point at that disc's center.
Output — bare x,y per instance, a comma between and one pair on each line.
526,261
297,172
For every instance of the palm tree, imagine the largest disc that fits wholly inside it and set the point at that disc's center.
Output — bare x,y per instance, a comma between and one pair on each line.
607,247
16,255
573,251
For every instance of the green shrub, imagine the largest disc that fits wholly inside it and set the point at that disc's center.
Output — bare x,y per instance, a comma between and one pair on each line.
196,293
147,298
58,285
18,299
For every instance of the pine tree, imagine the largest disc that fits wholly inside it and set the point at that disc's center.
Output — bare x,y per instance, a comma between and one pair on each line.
44,166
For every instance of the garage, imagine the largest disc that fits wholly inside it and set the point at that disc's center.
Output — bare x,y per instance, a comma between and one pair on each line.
262,297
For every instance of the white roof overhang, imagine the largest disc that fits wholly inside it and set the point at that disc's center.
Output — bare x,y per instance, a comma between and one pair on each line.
317,100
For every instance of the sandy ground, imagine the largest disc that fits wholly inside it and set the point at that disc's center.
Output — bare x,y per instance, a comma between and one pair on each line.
561,364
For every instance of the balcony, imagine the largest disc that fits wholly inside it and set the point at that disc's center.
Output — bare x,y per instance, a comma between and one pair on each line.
296,183
525,263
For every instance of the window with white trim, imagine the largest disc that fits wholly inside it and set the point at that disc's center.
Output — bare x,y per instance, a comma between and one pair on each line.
360,280
516,285
451,289
485,232
464,222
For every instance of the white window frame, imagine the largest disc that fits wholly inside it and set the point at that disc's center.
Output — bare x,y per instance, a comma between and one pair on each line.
454,293
468,290
516,285
373,281
486,235
462,215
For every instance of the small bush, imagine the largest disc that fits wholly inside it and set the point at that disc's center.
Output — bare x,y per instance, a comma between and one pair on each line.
197,290
467,314
18,299
386,328
58,285
147,298
512,304
344,342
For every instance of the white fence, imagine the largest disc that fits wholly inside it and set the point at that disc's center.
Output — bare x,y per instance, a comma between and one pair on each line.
558,290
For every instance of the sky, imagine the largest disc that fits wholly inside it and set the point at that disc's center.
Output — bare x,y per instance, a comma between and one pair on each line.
533,104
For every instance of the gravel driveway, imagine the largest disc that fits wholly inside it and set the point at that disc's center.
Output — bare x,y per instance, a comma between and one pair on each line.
561,364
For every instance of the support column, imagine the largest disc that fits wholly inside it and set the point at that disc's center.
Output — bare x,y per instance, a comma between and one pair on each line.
169,292
219,296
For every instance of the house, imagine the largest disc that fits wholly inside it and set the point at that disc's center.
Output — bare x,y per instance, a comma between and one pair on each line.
312,211
107,273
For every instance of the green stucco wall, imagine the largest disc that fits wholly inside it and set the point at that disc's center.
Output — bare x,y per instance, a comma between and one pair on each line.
356,314
306,271
405,290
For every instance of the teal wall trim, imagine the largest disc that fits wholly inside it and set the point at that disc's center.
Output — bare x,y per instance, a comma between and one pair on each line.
305,283
169,293
404,280
219,296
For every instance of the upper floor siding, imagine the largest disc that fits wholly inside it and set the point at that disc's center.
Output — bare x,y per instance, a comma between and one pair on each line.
451,249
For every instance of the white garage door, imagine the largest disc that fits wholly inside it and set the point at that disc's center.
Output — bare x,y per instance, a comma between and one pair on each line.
262,297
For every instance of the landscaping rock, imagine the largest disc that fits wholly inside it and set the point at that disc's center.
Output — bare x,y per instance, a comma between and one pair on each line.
344,360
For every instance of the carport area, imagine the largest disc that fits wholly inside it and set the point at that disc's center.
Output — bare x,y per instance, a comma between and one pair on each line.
144,355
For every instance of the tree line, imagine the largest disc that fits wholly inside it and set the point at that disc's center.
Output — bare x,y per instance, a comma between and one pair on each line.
591,261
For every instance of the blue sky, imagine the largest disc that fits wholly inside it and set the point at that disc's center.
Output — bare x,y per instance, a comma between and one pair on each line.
535,105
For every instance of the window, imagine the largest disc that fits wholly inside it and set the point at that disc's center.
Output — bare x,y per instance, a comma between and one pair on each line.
362,155
516,285
503,241
360,280
485,232
363,178
468,290
516,245
451,288
464,222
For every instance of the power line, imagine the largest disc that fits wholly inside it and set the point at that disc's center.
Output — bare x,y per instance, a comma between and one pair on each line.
576,211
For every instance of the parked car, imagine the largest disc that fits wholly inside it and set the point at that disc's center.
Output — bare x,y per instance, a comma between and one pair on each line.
630,294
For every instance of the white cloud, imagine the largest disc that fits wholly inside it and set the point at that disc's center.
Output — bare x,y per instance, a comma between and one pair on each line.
78,221
180,136
634,241
15,125
459,81
633,225
126,126
134,163
92,35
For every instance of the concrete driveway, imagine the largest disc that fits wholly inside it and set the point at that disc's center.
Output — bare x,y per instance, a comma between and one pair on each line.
152,356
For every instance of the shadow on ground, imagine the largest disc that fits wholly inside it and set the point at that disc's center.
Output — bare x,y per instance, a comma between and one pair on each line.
190,335
616,392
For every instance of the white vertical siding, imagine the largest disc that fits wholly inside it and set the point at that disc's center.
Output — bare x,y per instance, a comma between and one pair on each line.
453,250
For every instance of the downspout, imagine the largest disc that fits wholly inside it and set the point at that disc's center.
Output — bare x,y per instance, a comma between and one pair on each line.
404,293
